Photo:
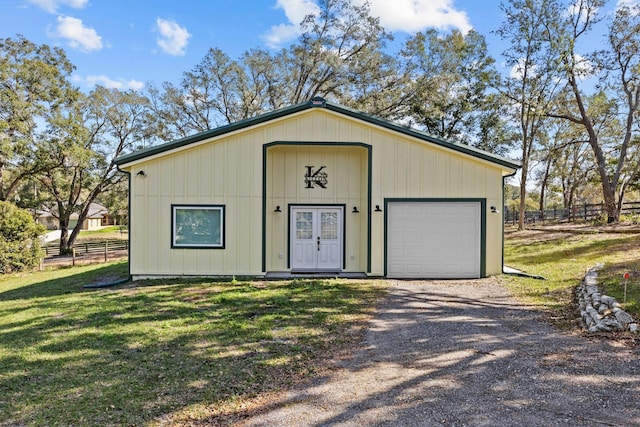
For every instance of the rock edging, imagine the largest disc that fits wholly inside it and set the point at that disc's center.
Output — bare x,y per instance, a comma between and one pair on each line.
601,313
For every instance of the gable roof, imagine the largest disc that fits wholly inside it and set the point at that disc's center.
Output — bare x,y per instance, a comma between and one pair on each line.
318,102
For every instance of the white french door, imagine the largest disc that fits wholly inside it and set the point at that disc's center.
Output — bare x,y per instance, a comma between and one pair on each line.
316,238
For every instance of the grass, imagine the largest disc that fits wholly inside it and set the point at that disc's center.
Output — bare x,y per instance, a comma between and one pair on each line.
105,233
163,352
185,352
563,258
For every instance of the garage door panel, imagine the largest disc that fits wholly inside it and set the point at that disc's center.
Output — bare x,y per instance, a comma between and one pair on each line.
433,239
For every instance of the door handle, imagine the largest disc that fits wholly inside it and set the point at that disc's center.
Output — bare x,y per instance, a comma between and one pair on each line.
318,243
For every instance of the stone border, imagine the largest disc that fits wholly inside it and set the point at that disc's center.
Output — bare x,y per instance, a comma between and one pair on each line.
601,313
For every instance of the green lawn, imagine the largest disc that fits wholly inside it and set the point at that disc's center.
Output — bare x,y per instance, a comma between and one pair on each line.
563,259
178,352
169,351
105,233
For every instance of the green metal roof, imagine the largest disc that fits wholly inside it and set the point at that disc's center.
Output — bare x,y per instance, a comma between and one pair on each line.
317,102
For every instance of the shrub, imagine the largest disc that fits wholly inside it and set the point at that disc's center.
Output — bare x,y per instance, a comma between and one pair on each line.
630,218
19,245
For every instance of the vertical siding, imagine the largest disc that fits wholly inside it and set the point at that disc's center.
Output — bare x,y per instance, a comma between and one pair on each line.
403,168
346,169
227,173
228,170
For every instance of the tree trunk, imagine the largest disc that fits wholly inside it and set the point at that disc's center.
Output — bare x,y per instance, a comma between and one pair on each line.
608,188
609,184
523,194
64,236
543,187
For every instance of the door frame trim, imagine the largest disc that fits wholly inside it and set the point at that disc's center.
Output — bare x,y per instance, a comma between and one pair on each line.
290,208
265,149
483,223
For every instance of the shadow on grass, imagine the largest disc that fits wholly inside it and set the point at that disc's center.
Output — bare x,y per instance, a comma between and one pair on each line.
437,357
129,356
556,249
69,283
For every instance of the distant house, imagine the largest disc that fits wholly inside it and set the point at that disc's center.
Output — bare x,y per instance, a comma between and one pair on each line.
93,221
315,188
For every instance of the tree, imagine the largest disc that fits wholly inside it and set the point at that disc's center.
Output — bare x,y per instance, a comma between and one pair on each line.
451,78
82,149
207,96
335,46
533,82
563,155
34,83
19,243
338,56
619,68
115,199
623,61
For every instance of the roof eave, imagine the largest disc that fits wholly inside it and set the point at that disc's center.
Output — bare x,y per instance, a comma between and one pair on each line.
172,145
467,149
316,103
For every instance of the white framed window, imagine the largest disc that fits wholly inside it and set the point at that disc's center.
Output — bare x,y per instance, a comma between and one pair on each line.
197,226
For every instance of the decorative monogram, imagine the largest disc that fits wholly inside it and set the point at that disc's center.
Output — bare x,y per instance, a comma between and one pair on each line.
313,178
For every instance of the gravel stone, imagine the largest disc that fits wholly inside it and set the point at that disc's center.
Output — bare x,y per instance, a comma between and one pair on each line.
465,353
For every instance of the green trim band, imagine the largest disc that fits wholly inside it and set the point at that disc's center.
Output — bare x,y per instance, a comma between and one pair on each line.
317,103
268,145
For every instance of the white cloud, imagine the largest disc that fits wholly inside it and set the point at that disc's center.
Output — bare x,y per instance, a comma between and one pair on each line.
585,10
52,6
628,3
173,38
412,16
517,71
109,83
633,5
584,68
78,36
295,11
409,16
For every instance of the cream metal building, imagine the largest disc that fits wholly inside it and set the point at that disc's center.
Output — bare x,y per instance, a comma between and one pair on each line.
316,187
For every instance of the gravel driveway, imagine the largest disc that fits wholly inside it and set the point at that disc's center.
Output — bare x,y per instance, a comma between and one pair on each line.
464,353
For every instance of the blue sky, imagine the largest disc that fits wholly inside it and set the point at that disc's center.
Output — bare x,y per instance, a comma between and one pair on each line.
128,44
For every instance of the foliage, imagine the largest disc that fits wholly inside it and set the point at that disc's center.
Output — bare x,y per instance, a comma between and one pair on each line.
450,77
163,352
82,149
19,239
630,218
35,85
594,95
607,117
533,83
440,82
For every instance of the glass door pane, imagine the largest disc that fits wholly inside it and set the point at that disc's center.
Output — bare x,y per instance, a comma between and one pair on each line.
329,225
304,225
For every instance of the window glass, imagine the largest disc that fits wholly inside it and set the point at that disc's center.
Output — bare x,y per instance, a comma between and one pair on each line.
198,226
304,225
329,225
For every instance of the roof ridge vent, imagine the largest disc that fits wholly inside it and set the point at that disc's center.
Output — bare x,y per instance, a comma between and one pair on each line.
318,101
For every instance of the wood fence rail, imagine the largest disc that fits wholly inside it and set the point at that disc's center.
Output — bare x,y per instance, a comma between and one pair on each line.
587,211
101,247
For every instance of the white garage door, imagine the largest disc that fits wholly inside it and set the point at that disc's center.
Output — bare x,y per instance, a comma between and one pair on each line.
433,239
